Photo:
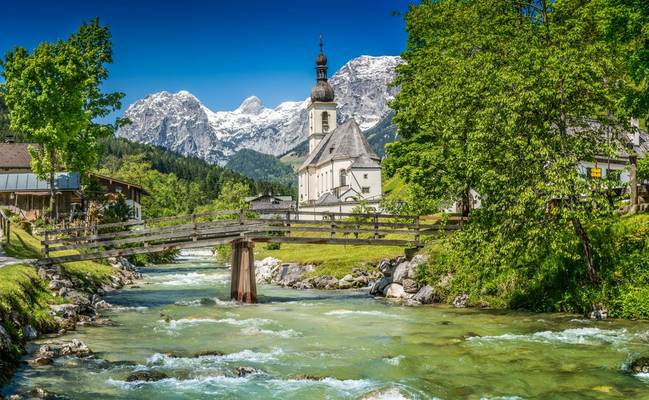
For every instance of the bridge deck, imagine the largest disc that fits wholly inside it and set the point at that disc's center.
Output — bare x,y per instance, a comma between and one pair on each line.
222,227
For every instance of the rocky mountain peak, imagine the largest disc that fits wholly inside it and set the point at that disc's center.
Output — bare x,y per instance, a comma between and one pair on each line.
180,122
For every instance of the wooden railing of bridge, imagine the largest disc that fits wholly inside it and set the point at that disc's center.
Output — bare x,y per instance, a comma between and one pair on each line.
241,228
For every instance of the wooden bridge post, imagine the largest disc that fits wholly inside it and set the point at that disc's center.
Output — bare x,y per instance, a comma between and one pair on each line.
243,286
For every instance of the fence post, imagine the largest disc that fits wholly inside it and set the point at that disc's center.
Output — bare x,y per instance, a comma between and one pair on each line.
376,227
417,229
241,216
288,223
46,246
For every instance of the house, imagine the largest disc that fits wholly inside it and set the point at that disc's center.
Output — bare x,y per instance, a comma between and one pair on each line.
132,193
341,169
269,202
25,194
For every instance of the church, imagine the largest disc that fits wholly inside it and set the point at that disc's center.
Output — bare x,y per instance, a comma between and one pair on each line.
341,169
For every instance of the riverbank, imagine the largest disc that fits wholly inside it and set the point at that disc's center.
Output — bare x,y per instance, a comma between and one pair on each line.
36,300
177,335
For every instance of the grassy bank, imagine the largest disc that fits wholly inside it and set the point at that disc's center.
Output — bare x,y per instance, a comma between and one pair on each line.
334,260
25,296
25,245
553,278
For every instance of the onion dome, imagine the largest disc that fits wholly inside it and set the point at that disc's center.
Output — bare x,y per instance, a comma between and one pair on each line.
322,91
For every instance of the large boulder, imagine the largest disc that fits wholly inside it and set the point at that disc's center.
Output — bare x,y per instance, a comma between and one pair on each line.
380,285
410,285
290,274
425,295
394,290
266,269
386,267
65,310
414,265
401,272
344,284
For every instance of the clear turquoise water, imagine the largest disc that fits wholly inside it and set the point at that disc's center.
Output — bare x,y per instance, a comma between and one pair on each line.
360,346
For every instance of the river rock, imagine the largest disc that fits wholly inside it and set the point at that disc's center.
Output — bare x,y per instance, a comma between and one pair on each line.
394,290
51,350
65,310
243,371
425,295
409,285
266,269
461,300
29,332
361,281
58,284
416,261
348,278
411,302
599,312
384,394
343,284
386,267
640,365
308,377
290,274
146,376
380,285
400,272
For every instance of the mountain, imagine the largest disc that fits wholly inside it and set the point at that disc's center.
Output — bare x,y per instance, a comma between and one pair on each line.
180,122
262,167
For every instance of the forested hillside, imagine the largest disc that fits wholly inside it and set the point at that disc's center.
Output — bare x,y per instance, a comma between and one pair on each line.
263,167
209,178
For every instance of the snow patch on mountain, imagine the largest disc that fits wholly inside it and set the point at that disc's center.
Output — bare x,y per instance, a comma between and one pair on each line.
180,122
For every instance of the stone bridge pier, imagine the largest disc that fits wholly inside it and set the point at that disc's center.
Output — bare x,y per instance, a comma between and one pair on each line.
243,286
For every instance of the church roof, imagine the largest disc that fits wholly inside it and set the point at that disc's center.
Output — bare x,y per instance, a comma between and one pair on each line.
345,142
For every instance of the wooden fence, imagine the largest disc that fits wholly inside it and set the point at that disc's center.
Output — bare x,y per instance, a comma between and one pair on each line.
210,229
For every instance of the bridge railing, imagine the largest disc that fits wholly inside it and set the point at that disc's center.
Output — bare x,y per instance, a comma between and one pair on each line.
207,229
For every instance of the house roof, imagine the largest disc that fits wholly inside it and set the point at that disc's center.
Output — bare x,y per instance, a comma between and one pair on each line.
28,182
109,179
345,142
261,196
15,155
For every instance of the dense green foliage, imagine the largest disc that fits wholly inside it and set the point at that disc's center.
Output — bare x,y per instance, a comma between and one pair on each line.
209,178
518,94
550,278
54,98
262,167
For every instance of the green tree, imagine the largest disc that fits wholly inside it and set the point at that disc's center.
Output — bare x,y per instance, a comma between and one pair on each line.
54,96
507,100
232,197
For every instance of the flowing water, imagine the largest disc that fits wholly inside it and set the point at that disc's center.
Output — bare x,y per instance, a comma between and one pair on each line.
361,347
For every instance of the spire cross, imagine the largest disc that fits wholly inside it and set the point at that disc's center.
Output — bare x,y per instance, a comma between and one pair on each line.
321,43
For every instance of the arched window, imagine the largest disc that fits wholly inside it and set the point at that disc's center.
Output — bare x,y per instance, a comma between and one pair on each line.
343,177
325,121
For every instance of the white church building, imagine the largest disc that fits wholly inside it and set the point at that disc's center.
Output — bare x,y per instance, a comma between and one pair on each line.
341,169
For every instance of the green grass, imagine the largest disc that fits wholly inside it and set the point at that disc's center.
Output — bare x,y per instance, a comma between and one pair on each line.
22,291
333,260
23,245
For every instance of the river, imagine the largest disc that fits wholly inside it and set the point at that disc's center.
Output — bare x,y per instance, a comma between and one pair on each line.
360,346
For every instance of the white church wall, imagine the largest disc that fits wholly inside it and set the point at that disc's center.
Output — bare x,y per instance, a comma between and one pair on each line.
367,182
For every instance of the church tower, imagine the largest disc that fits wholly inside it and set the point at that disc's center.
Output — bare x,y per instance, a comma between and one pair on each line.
322,109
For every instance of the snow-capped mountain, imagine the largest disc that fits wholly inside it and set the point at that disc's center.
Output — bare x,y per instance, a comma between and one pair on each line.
180,122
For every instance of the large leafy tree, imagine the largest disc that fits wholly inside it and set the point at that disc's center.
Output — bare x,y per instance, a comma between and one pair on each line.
54,98
506,98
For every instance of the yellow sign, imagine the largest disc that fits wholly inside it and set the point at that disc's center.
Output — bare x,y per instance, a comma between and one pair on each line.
596,172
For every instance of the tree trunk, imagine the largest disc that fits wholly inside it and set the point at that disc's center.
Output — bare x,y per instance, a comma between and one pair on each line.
633,181
52,196
466,202
585,244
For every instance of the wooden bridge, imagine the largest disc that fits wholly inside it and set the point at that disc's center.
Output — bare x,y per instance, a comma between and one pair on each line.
241,229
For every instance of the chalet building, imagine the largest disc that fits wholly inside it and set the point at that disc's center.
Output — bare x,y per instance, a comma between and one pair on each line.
22,192
341,168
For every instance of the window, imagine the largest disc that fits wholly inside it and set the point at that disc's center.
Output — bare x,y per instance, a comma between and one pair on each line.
364,176
325,121
343,177
365,190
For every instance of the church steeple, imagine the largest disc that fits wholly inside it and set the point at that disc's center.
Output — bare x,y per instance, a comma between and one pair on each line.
322,91
322,109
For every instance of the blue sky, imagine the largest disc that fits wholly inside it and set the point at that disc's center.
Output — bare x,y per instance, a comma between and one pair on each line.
221,51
